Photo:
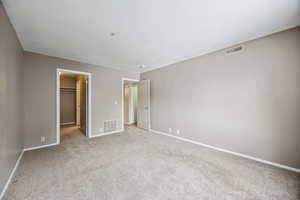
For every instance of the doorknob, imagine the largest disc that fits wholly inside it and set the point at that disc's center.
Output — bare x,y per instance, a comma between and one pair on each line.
146,107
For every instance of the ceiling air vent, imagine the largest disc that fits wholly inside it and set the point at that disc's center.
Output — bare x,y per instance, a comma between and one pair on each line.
234,50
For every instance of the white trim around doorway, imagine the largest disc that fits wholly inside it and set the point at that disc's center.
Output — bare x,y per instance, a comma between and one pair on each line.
89,103
122,86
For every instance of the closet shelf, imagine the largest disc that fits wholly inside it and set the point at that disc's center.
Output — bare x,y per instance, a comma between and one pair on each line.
68,89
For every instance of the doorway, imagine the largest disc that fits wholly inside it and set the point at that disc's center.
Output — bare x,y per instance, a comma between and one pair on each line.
136,103
73,104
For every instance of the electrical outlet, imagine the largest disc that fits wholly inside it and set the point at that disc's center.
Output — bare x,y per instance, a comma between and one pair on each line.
43,139
178,132
101,130
170,130
116,102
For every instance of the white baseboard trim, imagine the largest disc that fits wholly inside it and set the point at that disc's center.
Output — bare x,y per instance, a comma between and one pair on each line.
108,133
67,123
11,175
230,152
40,147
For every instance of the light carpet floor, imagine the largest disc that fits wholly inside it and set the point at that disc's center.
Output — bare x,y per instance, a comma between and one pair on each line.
139,165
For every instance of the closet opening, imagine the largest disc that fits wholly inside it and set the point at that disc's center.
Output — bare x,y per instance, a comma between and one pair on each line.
73,105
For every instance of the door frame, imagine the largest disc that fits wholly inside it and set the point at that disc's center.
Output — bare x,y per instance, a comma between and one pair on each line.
88,104
122,86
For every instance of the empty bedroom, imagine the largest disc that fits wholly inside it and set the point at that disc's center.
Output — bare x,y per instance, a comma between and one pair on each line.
140,100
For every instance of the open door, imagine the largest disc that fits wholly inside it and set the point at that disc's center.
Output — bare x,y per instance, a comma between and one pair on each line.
143,114
83,101
86,109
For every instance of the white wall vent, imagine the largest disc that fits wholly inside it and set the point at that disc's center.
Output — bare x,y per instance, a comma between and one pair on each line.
110,125
234,49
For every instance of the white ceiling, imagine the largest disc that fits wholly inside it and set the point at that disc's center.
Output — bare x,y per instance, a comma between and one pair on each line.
153,33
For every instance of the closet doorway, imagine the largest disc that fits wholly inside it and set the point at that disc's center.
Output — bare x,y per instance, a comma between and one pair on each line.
136,103
73,104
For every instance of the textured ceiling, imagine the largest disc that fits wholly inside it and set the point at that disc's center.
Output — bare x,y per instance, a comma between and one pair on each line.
154,33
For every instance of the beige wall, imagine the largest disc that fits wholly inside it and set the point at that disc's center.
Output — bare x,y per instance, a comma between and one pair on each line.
11,111
40,99
248,102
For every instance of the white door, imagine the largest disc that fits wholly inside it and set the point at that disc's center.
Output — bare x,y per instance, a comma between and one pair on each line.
86,107
83,106
143,114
